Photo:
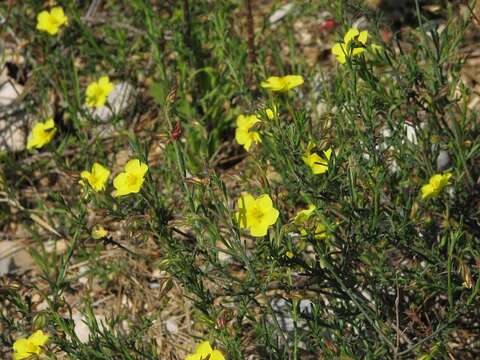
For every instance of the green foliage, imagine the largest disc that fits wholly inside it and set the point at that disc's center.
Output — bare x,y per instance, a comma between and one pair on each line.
392,276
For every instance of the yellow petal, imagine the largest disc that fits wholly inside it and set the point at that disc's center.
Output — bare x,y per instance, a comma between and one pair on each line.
136,167
320,231
42,20
241,121
293,81
58,15
120,183
216,355
38,338
20,345
264,202
203,349
447,176
363,37
247,122
357,51
271,216
328,153
49,124
242,137
303,215
105,84
340,53
101,174
86,175
427,191
246,201
283,83
350,35
259,230
338,49
273,82
91,89
193,357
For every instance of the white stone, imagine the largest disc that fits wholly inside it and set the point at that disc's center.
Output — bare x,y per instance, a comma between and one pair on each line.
171,326
12,126
443,160
280,13
14,256
361,23
306,306
322,108
81,328
9,92
411,133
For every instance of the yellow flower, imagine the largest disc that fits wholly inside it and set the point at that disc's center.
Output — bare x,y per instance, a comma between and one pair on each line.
289,254
243,135
256,214
204,351
51,21
353,44
317,164
131,180
97,178
97,92
435,185
24,348
42,133
282,83
99,232
320,232
303,215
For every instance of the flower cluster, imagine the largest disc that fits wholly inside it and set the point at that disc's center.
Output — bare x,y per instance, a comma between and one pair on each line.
254,214
127,182
246,133
354,43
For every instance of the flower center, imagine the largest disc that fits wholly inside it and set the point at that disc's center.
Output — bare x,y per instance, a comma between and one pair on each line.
132,179
53,21
93,178
99,92
257,214
31,348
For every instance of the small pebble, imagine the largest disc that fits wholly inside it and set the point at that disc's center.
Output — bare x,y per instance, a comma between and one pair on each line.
443,160
280,13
